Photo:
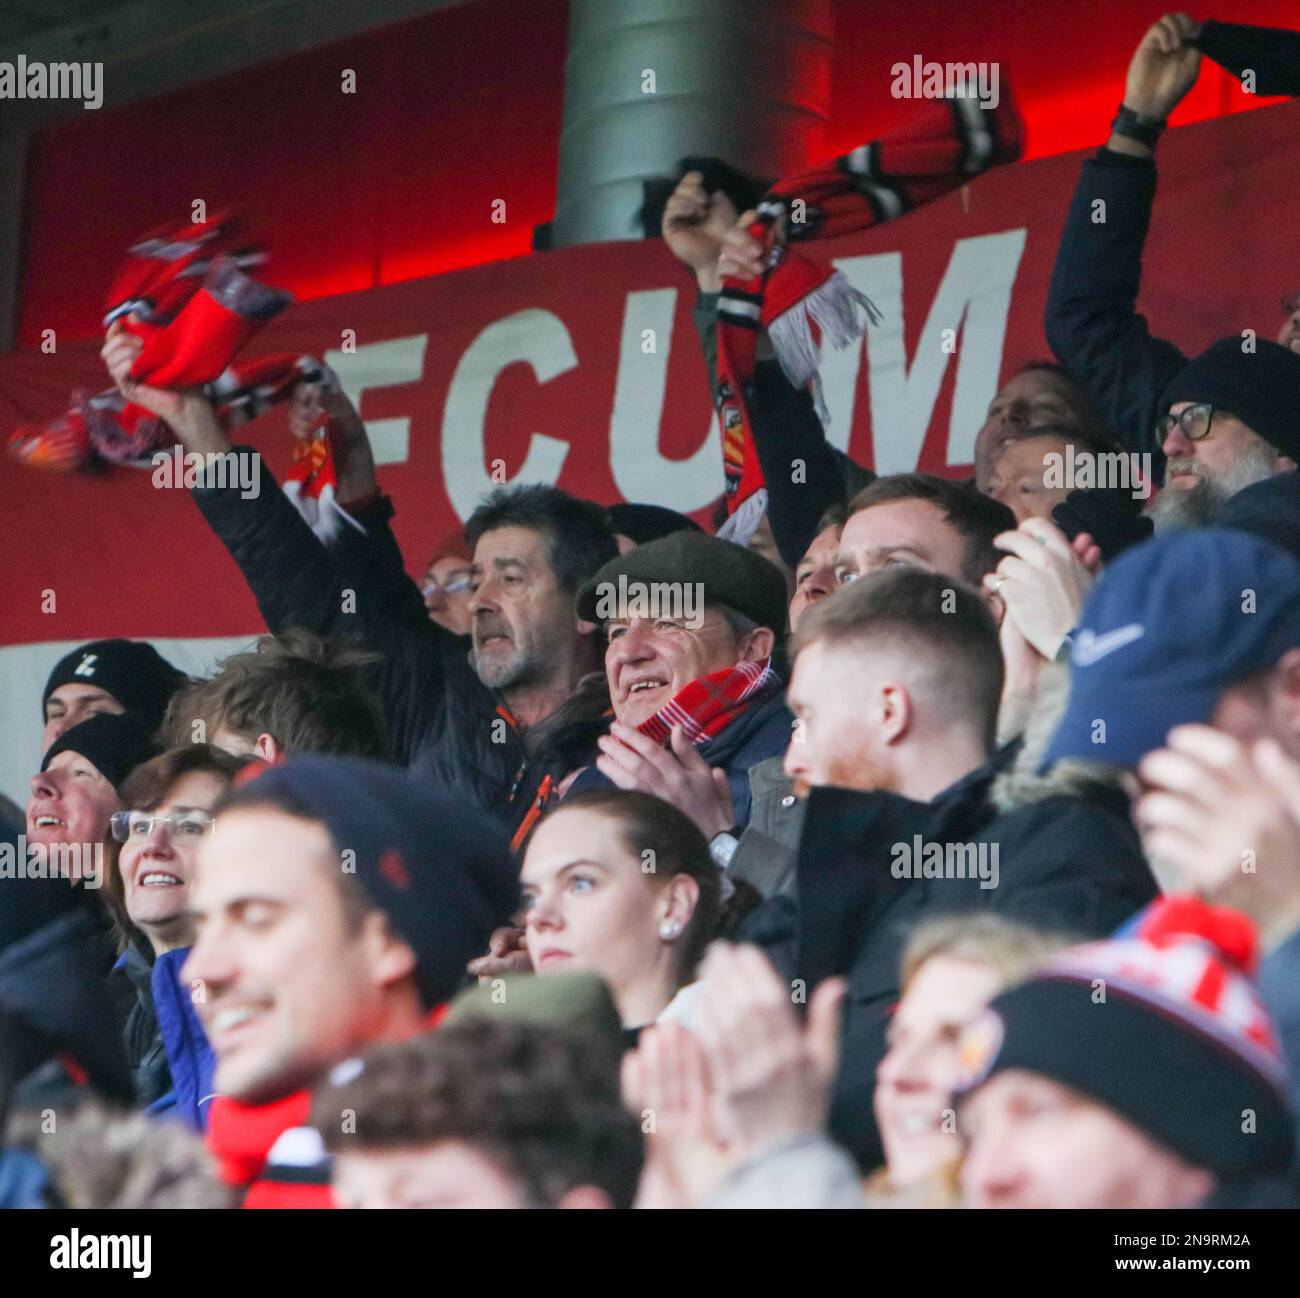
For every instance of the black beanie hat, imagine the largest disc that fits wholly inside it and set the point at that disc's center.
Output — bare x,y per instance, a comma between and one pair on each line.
132,671
1164,1028
643,523
115,744
440,870
1262,388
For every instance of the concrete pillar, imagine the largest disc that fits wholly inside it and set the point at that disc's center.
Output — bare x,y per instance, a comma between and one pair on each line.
649,81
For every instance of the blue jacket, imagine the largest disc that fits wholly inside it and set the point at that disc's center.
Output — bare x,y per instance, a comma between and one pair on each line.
189,1056
1279,988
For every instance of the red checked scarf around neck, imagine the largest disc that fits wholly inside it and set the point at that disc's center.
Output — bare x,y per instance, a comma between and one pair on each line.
706,707
801,304
184,291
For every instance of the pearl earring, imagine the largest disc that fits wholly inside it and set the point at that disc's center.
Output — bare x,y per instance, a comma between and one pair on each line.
668,930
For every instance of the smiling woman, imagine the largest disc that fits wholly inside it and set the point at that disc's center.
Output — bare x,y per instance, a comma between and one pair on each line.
168,810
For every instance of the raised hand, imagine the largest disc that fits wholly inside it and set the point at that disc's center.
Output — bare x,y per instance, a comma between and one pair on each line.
1164,66
772,1075
187,413
1042,582
693,227
678,775
1225,820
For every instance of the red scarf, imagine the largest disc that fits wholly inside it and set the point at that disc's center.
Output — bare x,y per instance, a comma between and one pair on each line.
803,305
706,707
241,1138
185,292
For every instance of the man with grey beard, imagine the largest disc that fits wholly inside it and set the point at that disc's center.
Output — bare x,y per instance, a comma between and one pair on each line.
1225,420
1232,418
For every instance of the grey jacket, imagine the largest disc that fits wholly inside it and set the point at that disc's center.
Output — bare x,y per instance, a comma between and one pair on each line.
769,847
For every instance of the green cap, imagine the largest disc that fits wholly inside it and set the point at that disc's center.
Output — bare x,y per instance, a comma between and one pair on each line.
715,571
580,1001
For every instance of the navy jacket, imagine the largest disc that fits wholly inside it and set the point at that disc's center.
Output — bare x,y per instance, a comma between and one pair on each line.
1091,321
761,732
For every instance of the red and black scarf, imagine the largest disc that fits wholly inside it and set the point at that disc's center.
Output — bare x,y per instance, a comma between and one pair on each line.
185,291
803,305
706,707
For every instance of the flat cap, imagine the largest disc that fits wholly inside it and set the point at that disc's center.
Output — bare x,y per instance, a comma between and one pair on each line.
723,573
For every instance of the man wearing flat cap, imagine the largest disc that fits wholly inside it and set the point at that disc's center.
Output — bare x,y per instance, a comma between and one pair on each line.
691,623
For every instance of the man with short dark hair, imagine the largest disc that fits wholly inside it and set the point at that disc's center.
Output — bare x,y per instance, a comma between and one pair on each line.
500,728
379,895
483,1113
925,522
291,693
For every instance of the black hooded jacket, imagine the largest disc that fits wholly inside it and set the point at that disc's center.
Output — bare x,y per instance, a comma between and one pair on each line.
1067,860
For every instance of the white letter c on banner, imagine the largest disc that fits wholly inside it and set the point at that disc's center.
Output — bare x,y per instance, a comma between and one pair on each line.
534,336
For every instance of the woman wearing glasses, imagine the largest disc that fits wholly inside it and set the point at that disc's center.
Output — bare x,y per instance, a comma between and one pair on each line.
445,585
168,803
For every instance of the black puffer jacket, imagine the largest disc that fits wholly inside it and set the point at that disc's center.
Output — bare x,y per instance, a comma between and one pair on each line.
441,717
55,998
1067,860
142,1037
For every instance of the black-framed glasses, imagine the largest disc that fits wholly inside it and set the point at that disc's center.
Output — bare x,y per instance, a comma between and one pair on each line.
136,826
1193,422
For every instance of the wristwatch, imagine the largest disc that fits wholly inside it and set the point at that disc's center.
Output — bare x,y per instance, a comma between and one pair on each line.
1145,130
722,847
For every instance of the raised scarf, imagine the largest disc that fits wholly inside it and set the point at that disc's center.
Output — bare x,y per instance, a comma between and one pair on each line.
803,305
185,291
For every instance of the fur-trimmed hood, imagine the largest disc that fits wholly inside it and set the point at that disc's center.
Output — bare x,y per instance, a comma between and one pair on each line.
1020,785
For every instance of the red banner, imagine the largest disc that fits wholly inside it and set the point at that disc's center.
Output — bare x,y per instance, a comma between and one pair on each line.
582,367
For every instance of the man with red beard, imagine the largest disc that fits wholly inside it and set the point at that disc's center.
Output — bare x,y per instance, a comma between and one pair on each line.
379,894
1224,420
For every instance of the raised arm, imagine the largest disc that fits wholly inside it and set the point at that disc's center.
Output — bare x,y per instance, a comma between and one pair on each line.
1091,321
298,581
